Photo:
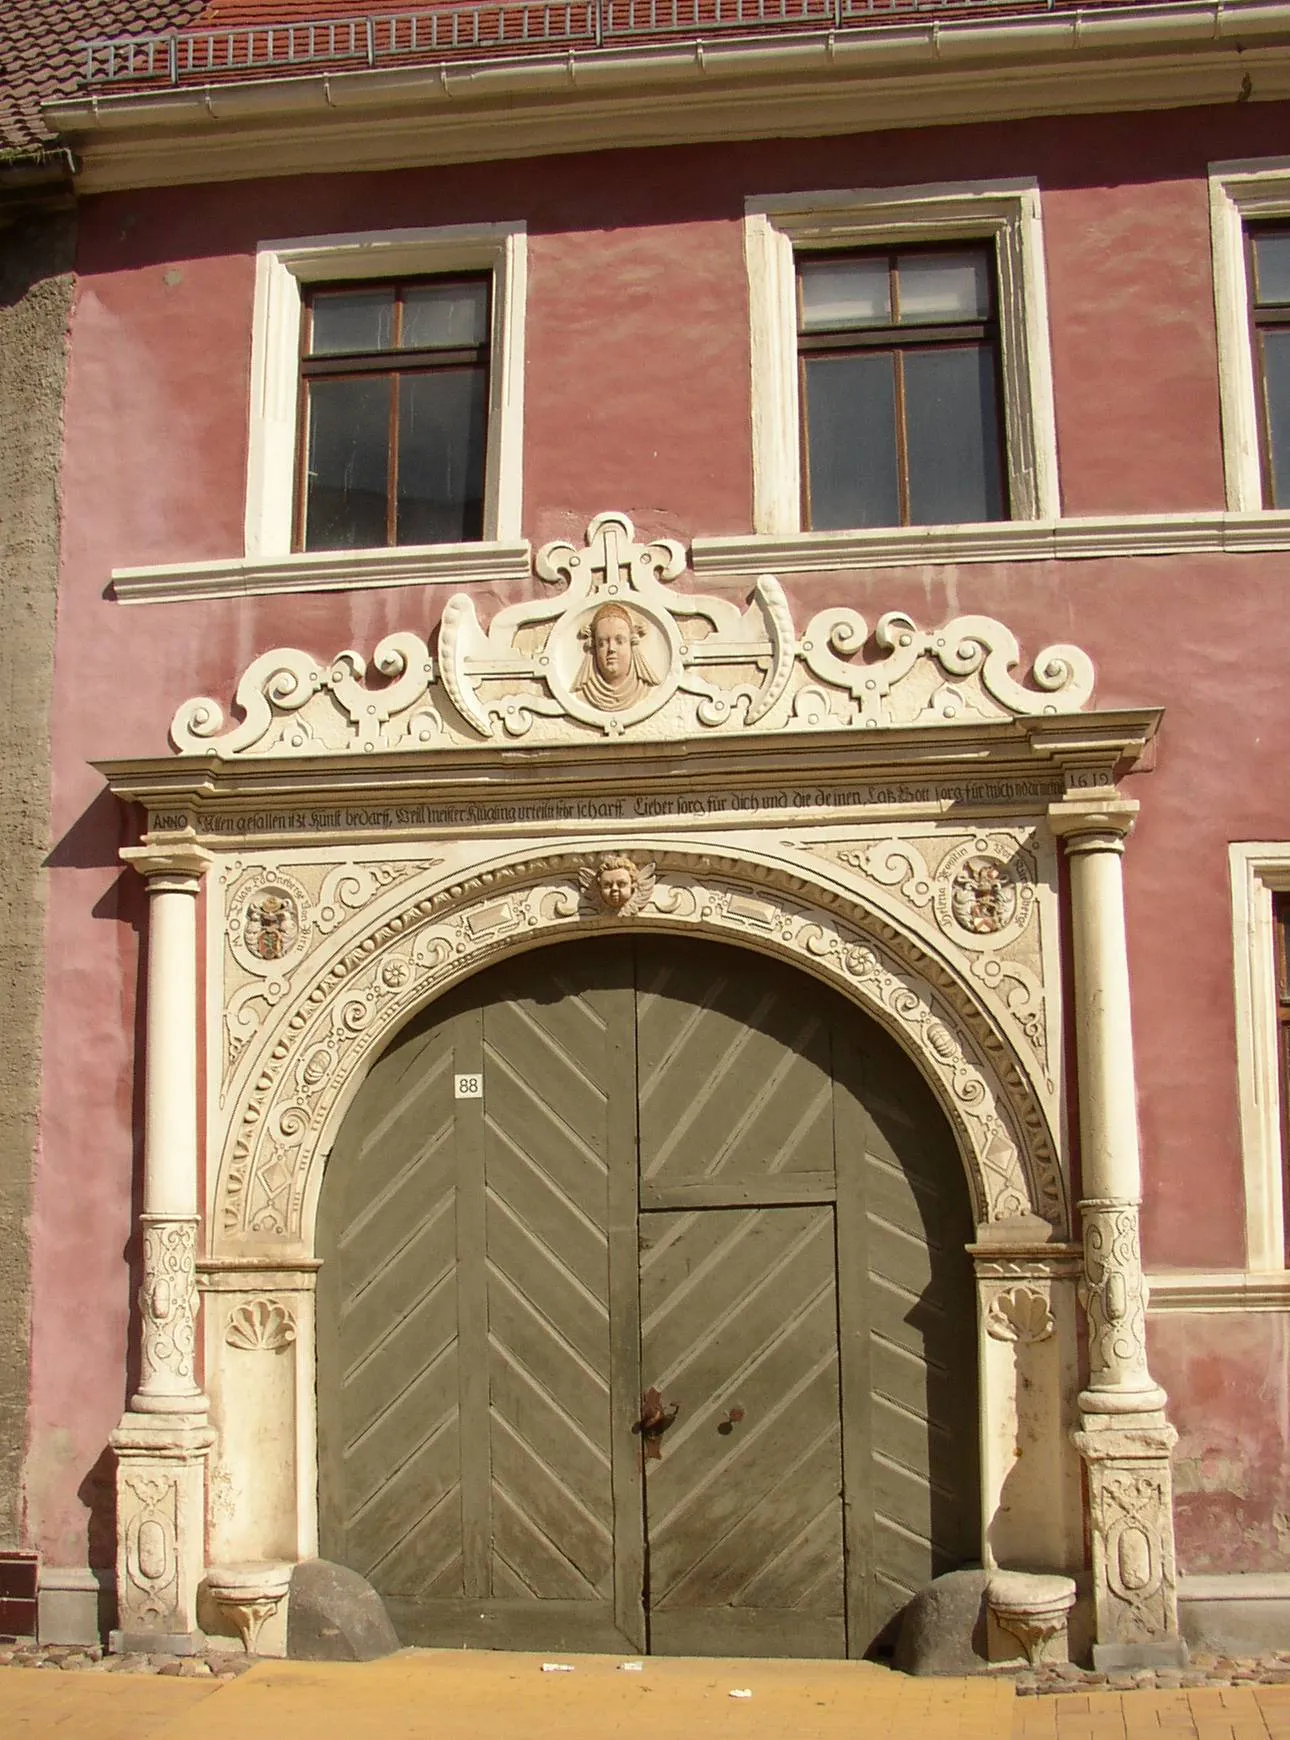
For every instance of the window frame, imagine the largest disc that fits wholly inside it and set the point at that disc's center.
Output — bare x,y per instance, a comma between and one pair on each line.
1260,872
900,339
394,363
1241,195
1004,213
284,269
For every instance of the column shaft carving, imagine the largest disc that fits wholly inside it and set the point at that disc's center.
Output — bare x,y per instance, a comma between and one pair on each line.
163,1440
1125,1440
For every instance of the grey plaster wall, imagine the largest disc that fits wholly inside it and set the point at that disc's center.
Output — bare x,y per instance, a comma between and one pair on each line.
35,300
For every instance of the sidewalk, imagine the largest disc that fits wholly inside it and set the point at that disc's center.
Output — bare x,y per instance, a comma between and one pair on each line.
456,1695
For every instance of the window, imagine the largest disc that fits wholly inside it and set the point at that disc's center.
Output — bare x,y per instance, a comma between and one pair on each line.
1249,212
394,384
901,373
387,392
1281,953
1268,277
1260,874
898,384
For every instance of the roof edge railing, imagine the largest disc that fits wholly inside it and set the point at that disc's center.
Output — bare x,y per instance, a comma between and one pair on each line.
177,58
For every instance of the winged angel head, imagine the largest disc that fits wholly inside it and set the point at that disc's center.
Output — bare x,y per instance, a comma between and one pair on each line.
617,884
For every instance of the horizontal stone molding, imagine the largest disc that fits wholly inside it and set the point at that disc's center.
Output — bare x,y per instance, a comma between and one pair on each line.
325,571
1076,539
1233,1290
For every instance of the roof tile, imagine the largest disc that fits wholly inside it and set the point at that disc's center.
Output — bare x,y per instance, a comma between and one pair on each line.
38,58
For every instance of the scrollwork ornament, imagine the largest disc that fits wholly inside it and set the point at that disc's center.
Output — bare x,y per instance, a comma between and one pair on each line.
618,652
1113,1294
168,1305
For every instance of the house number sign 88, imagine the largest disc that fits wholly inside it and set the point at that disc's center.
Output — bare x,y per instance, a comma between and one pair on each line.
468,1087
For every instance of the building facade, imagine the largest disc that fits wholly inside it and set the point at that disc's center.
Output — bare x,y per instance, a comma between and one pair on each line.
661,992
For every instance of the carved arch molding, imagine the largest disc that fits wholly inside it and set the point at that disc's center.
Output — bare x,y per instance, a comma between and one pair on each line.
288,1083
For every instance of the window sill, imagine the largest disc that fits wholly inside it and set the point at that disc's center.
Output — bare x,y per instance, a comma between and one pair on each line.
745,557
325,571
1228,1290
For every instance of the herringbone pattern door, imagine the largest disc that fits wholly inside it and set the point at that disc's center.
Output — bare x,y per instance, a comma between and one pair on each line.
693,1170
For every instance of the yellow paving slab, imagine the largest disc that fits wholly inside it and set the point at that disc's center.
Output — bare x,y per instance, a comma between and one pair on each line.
94,1706
459,1695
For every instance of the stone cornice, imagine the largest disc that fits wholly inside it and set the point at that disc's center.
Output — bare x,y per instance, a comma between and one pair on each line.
980,751
1115,58
329,571
1076,539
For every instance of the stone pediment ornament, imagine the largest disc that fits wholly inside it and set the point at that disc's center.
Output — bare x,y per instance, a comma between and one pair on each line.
617,653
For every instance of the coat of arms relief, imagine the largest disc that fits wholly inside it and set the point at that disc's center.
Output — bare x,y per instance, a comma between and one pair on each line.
616,651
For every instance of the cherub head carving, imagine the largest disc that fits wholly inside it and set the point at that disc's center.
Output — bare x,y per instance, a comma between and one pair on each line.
615,673
617,884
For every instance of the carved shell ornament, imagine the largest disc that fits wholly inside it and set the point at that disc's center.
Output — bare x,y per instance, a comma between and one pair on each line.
615,651
616,884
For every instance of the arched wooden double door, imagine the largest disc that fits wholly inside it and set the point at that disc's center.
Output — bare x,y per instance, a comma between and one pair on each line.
692,1170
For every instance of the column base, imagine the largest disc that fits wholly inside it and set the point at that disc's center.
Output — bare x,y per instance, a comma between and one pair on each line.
1131,1522
161,1529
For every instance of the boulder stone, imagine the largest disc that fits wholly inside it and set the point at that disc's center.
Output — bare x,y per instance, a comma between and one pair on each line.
333,1614
943,1629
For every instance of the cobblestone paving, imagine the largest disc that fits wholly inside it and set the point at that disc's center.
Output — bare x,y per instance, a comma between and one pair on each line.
1201,1670
90,1659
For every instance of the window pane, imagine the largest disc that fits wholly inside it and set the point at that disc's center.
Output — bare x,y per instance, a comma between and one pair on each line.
349,437
845,293
1276,398
952,436
851,441
349,320
944,286
445,316
1272,267
441,456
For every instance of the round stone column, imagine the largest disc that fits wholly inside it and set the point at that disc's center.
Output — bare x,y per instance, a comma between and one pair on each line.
1124,1439
163,1440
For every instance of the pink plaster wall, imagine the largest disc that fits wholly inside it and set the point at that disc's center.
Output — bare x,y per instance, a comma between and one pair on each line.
637,390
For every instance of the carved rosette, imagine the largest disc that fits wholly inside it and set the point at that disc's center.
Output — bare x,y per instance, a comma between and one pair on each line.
168,1310
350,1000
1114,1296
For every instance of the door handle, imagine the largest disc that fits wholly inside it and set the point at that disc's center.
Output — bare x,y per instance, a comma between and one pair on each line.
656,1417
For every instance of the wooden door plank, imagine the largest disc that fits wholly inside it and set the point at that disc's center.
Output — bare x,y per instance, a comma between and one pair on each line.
622,1155
852,1135
472,1314
740,1318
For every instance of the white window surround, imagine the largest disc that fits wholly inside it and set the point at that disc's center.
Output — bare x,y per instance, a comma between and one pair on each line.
281,269
1239,193
1008,212
1258,871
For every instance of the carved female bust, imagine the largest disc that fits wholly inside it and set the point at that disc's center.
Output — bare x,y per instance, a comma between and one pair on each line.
615,673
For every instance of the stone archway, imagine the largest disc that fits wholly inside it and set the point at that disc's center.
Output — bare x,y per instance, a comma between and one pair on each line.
293,1084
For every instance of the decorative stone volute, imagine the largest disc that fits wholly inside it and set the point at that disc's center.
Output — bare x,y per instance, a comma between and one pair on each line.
618,653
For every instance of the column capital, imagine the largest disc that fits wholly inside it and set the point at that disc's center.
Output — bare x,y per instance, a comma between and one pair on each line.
1092,824
175,868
